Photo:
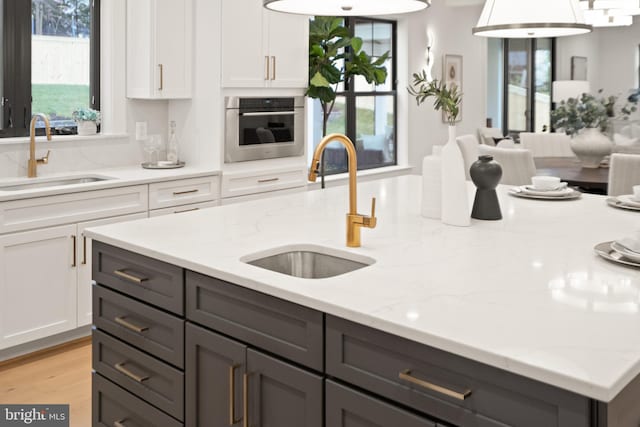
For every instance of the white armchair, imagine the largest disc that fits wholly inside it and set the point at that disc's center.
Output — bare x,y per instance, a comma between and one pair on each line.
547,144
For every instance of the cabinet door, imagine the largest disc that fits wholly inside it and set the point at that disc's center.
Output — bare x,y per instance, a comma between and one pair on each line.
245,62
280,394
84,264
288,49
37,284
214,368
173,39
346,407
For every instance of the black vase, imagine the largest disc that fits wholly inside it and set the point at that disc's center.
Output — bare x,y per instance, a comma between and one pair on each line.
486,174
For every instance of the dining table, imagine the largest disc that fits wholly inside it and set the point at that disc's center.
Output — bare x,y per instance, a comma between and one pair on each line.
570,170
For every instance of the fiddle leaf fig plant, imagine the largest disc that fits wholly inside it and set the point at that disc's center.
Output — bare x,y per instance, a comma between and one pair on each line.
334,57
447,98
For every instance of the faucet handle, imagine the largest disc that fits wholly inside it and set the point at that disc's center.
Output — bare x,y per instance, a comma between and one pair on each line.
45,159
371,221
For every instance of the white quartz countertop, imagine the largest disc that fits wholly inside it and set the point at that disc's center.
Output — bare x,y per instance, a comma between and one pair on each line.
117,177
526,294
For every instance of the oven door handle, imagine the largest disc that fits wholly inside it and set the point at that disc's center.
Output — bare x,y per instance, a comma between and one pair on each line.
269,113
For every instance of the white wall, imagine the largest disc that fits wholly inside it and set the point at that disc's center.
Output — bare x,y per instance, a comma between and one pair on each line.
451,29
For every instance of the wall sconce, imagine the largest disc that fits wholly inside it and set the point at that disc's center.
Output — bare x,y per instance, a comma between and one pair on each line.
428,56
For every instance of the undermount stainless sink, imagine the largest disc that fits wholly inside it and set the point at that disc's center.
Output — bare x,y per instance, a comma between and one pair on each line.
308,261
46,183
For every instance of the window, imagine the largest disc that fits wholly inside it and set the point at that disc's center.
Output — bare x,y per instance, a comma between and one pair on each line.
50,51
365,113
527,93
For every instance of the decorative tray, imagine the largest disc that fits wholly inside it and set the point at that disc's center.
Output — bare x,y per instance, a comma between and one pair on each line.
607,252
148,165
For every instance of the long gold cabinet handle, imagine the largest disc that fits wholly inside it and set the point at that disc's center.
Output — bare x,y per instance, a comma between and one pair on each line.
131,326
137,378
180,193
84,250
130,277
75,249
266,68
273,66
406,376
161,76
232,395
245,400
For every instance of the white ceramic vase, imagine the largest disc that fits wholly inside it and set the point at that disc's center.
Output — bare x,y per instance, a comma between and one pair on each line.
591,146
86,127
455,201
432,184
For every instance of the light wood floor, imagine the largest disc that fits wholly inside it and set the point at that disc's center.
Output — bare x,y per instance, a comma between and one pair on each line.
62,376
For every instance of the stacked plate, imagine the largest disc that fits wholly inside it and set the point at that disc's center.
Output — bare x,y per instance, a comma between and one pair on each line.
624,251
562,192
627,201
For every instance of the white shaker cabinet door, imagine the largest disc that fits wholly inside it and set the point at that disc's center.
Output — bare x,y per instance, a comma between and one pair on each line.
37,284
85,311
288,49
245,57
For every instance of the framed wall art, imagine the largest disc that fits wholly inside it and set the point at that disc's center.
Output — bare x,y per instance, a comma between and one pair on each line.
452,75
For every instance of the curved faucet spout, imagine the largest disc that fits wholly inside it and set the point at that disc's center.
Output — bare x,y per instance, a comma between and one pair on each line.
354,220
32,166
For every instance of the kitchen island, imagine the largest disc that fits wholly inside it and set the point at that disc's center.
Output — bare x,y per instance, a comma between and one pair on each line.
525,297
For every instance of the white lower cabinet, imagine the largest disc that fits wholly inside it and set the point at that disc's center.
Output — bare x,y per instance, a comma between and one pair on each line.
37,284
83,251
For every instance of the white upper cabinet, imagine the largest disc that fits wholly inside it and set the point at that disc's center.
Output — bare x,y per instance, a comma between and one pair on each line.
159,49
261,48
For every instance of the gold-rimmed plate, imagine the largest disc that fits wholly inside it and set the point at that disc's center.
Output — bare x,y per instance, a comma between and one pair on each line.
569,195
607,252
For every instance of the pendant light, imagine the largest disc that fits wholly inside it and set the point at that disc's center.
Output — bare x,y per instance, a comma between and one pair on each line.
346,7
531,19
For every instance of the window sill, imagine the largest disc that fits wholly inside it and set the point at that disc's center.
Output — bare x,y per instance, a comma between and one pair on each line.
65,138
364,175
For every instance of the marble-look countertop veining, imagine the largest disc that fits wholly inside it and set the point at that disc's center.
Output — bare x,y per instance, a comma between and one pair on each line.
526,294
118,177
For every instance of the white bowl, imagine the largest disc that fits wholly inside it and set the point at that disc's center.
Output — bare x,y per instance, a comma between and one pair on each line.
545,182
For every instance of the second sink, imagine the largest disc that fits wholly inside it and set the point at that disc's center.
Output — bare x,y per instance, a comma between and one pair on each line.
53,182
308,261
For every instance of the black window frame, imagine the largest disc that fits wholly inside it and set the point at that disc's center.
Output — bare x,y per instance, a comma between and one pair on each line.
16,96
531,118
351,95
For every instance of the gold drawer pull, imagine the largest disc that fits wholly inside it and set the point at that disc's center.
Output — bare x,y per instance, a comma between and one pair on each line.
180,193
130,277
132,327
119,423
262,181
186,210
232,395
137,378
406,375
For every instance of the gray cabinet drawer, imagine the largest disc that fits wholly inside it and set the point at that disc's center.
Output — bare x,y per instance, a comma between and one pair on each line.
138,324
286,329
113,406
148,378
433,381
345,407
152,281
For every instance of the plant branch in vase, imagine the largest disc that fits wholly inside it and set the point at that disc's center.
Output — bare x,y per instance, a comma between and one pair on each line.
454,200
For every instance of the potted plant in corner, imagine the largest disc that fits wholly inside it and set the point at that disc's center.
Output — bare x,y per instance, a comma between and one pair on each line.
586,119
455,204
87,120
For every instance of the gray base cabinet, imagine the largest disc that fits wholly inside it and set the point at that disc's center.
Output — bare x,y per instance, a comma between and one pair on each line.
172,345
228,382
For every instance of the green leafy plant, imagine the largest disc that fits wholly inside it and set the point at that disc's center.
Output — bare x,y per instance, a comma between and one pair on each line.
447,98
335,57
589,111
87,115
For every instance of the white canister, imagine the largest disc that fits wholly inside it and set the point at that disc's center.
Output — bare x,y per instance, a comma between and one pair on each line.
455,200
432,184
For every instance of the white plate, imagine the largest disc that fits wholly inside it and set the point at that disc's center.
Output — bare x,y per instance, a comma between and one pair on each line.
614,202
606,252
625,252
569,194
529,189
